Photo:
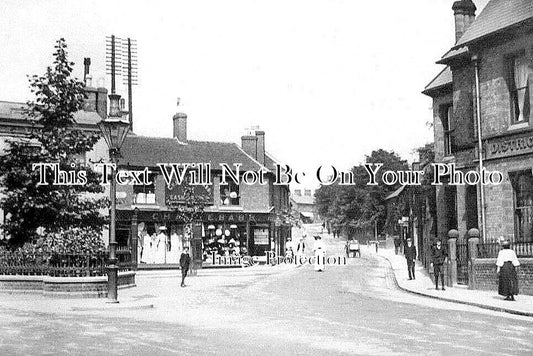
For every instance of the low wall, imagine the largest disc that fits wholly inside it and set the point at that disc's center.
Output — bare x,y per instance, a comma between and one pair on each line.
69,287
484,275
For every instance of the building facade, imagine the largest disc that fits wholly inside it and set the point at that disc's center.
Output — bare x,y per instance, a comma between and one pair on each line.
482,109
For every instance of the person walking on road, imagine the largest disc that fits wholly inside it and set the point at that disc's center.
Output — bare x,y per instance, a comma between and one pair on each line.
438,258
185,264
506,269
410,256
300,249
320,254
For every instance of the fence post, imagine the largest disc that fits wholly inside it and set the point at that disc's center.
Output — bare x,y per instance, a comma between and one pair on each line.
472,249
452,266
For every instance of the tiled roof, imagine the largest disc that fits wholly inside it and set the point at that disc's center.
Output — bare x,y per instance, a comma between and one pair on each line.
496,16
15,111
149,151
453,53
442,79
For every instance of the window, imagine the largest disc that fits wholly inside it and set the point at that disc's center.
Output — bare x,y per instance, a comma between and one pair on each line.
229,193
145,194
446,113
519,88
523,205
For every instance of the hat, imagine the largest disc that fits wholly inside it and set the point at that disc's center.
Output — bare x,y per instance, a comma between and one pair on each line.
162,228
506,243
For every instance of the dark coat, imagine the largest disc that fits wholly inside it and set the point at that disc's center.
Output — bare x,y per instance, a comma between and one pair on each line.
185,261
438,256
410,253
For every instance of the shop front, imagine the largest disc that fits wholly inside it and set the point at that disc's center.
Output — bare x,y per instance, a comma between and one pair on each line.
159,237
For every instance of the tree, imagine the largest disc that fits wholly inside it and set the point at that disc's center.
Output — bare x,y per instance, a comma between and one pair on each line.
360,204
54,138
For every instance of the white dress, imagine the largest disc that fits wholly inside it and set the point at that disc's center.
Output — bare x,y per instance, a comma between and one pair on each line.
161,246
175,249
320,255
147,249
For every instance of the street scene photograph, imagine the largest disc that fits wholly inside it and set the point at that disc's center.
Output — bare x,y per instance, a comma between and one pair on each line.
246,177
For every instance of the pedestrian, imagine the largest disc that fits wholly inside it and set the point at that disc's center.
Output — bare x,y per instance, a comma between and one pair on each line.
410,256
396,244
323,226
320,254
438,258
185,264
300,249
506,269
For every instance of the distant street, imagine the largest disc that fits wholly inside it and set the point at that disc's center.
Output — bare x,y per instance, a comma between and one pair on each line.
353,309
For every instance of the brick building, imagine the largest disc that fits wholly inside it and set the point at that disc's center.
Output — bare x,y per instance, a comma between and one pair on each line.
482,99
304,205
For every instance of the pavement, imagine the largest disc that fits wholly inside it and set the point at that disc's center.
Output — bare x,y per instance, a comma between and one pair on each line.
423,285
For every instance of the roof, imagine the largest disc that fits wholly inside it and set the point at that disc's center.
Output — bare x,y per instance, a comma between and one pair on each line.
496,16
149,151
303,199
443,79
396,193
453,53
15,111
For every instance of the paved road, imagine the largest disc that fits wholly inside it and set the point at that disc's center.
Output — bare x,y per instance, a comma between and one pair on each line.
353,309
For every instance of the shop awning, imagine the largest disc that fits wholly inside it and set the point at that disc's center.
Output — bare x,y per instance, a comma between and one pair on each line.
396,193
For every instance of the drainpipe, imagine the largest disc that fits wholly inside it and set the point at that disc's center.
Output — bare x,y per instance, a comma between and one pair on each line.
475,59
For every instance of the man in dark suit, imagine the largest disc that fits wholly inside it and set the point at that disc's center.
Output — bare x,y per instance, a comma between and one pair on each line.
438,258
410,256
185,263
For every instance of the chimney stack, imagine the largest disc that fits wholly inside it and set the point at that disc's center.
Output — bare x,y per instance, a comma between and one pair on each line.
464,12
260,147
180,125
249,145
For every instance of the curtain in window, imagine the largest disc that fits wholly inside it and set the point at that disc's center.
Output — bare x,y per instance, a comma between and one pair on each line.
521,79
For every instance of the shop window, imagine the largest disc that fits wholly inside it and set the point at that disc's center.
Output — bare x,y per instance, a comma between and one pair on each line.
145,194
229,193
446,112
523,205
519,73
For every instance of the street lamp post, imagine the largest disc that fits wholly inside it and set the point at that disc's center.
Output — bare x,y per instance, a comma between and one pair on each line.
114,129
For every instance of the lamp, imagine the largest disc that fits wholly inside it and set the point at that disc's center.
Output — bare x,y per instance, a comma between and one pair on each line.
114,129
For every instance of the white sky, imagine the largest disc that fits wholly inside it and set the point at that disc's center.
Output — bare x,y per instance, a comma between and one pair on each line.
329,81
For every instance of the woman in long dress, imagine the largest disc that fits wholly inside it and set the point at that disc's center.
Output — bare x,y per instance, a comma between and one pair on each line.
506,269
320,254
147,249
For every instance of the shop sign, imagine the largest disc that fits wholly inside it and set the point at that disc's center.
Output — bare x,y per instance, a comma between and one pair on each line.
236,217
175,195
498,148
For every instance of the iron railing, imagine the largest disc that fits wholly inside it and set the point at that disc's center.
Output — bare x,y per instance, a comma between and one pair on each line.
491,249
61,265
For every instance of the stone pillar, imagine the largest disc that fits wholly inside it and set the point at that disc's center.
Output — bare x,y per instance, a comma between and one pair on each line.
452,266
134,240
472,250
